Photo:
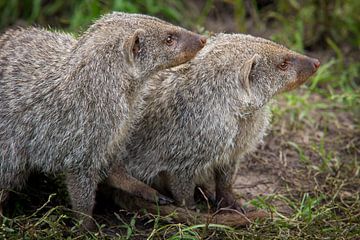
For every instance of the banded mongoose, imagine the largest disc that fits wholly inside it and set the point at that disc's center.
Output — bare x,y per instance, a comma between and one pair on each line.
66,104
201,118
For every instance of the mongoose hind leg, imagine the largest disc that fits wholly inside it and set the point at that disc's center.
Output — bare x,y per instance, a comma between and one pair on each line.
11,178
3,196
82,191
119,178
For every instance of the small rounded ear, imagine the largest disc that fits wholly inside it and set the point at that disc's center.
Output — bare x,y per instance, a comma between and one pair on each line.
245,72
132,45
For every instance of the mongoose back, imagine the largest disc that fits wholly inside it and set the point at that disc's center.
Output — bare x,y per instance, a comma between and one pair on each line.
66,104
200,118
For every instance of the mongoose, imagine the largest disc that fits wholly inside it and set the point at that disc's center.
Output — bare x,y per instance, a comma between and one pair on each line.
201,118
66,104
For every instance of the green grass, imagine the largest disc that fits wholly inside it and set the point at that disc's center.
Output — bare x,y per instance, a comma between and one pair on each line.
316,129
75,15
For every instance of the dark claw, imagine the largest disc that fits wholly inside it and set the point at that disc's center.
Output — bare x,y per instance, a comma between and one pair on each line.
163,200
241,209
235,205
238,207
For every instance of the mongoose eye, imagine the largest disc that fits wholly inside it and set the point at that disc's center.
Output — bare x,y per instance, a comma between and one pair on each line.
284,65
170,40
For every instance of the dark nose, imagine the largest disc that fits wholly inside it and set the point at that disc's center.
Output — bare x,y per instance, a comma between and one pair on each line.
316,63
203,40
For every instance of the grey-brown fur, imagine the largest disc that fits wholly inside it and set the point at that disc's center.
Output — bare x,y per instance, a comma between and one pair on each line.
201,118
66,104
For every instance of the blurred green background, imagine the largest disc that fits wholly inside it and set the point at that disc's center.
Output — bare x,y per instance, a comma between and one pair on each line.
326,29
305,24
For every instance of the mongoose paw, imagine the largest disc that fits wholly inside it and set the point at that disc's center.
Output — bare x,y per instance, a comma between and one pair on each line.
236,205
163,200
239,208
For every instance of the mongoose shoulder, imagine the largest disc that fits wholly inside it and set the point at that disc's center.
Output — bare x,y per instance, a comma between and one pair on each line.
199,119
66,104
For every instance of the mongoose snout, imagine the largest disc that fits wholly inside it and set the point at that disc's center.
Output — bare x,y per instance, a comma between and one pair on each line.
184,45
316,64
192,38
307,64
305,67
188,43
201,40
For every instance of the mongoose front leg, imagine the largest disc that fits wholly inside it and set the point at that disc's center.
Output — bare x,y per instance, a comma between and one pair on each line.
224,179
119,178
82,191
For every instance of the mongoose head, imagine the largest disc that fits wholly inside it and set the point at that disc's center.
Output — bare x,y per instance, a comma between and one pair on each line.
262,67
146,43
